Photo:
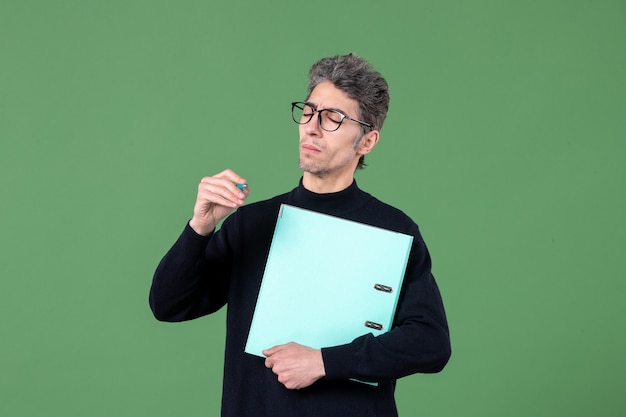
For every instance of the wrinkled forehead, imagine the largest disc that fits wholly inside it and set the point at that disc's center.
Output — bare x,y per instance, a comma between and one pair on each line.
326,95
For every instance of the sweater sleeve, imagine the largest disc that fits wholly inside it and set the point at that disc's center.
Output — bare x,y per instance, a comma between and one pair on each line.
419,341
187,284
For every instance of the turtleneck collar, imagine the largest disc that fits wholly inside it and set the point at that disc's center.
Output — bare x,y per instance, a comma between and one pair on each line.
336,203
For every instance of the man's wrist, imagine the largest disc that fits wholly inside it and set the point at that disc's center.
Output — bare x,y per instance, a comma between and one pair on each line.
201,229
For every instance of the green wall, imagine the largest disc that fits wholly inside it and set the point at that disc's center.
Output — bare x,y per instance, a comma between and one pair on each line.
505,142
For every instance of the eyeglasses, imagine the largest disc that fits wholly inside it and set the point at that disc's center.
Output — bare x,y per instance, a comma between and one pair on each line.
328,119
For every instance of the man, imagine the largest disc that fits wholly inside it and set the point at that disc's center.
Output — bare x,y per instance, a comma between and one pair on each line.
339,124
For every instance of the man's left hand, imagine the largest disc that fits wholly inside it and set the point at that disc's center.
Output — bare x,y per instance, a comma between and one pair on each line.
297,366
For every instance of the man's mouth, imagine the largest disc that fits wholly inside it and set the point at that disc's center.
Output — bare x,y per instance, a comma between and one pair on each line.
307,147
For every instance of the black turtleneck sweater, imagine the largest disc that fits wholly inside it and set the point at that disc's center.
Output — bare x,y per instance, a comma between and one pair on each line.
201,274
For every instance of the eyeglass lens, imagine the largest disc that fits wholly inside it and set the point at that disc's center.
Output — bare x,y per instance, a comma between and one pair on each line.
329,120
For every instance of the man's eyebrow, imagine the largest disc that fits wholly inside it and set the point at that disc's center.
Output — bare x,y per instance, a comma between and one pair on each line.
314,106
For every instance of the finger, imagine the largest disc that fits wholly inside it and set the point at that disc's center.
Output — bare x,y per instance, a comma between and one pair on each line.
273,350
268,352
220,191
230,184
232,176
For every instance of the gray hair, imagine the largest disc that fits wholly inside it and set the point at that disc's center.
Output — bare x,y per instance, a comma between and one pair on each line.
357,78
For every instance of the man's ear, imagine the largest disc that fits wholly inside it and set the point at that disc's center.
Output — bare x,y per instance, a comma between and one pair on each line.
367,142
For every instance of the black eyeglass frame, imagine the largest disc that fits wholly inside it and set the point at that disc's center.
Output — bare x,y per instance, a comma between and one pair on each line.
342,116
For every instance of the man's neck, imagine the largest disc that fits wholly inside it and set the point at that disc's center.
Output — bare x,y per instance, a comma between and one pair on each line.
325,185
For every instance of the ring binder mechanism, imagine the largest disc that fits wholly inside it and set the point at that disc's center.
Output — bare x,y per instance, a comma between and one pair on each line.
372,325
320,281
383,288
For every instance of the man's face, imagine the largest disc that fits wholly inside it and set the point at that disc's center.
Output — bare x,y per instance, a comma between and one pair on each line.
323,153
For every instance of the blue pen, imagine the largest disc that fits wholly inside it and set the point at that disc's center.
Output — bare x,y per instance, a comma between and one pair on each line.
242,186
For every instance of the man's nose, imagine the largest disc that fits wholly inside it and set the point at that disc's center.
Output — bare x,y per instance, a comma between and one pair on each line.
313,127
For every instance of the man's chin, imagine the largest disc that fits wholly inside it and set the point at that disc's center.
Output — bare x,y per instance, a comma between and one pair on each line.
311,168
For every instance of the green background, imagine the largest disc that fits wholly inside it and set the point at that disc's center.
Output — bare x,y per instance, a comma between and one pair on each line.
504,141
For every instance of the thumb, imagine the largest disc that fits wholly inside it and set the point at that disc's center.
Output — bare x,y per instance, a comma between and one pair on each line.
271,351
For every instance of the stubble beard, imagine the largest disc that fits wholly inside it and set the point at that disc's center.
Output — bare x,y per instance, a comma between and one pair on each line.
313,168
323,168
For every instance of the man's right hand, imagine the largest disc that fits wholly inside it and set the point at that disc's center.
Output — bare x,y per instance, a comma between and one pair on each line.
217,197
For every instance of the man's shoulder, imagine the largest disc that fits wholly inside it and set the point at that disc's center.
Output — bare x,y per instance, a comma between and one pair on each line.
385,215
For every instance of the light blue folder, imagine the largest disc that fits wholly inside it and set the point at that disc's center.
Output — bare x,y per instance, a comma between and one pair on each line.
327,281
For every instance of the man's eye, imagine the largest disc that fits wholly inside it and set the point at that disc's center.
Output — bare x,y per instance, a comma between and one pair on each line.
307,111
332,116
